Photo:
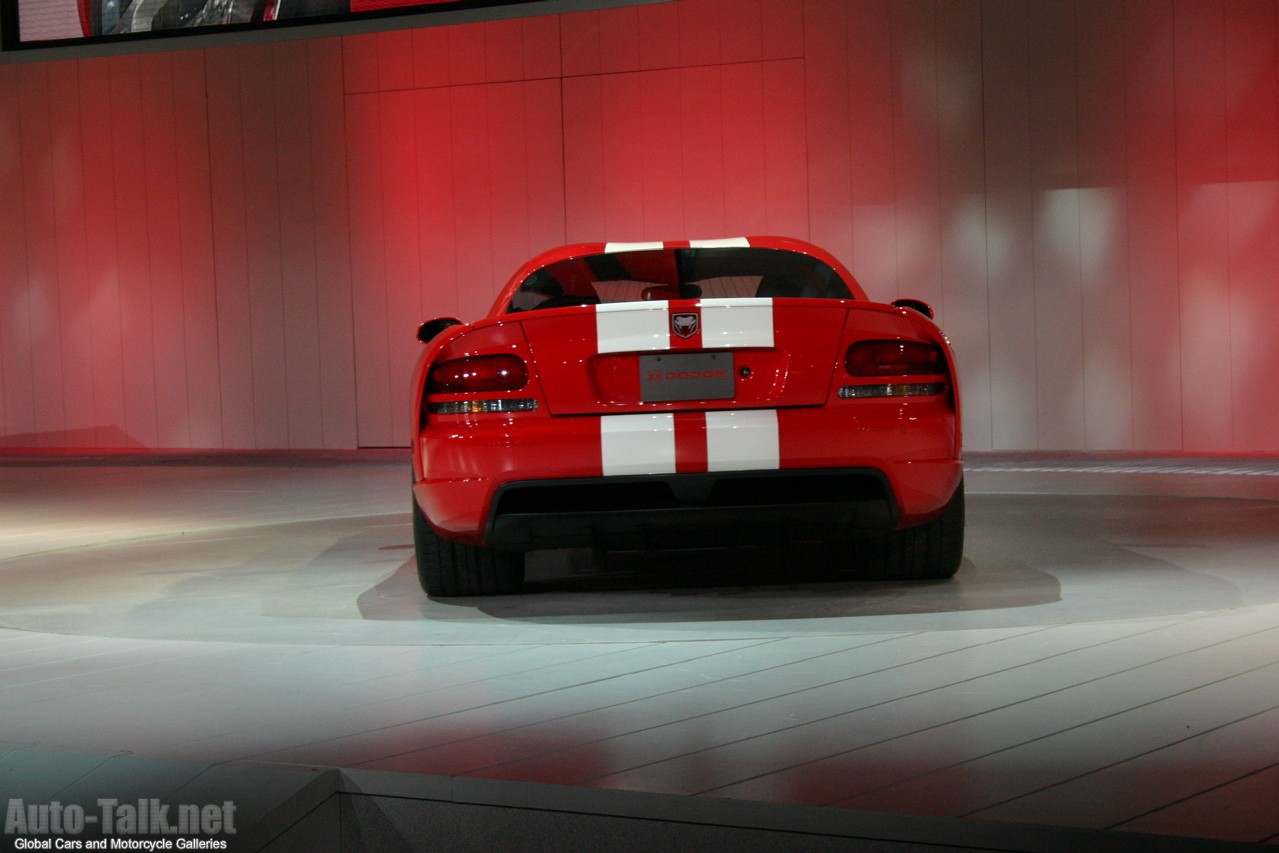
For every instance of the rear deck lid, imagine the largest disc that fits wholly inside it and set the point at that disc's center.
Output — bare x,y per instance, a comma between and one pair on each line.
686,354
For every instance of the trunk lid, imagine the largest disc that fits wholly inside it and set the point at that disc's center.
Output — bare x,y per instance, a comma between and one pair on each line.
696,354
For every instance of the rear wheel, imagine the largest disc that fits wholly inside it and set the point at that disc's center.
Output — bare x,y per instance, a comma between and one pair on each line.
446,568
929,551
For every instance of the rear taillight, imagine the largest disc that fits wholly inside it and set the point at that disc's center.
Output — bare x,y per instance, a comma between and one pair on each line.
478,374
893,358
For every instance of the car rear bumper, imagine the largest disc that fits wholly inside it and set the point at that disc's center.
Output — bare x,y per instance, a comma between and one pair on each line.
529,482
684,510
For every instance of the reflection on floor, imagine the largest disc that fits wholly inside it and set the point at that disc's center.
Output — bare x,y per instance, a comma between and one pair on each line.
250,628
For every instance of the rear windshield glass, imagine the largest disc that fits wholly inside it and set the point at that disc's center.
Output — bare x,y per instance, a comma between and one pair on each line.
662,274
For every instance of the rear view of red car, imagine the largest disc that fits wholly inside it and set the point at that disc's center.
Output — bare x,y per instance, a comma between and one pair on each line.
685,394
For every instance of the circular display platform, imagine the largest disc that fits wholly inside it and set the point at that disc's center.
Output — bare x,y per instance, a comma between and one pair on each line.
322,555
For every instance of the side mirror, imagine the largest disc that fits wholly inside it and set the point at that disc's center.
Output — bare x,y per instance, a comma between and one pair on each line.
431,328
915,304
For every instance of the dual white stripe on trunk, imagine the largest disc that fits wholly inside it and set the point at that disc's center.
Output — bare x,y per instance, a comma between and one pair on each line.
743,440
646,327
725,243
645,443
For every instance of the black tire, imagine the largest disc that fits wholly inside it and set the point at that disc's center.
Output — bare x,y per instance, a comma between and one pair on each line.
929,551
446,568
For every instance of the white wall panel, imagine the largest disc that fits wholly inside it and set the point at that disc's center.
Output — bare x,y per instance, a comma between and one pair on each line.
264,234
1252,174
1203,223
17,402
827,110
195,237
230,243
872,140
126,143
299,236
916,153
1103,229
102,256
230,247
961,167
400,194
42,304
1052,77
368,257
785,160
1010,217
333,267
75,323
1251,102
159,170
1151,171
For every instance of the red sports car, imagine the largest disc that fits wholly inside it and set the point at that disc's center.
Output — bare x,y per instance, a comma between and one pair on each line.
685,394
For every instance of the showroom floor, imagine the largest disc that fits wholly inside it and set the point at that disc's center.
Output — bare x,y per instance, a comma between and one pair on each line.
1107,657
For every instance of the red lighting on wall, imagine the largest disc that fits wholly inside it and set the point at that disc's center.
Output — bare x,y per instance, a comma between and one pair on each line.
232,247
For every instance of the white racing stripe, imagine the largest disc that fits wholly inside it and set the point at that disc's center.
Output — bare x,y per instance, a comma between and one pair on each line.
631,327
743,322
645,443
725,323
725,243
631,247
721,243
744,440
638,444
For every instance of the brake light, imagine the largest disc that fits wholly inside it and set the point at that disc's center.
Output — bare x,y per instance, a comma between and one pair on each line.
893,358
478,374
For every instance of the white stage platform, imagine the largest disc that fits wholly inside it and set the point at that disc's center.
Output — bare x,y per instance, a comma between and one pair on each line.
248,627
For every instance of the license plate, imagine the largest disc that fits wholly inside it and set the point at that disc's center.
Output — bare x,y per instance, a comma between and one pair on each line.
686,376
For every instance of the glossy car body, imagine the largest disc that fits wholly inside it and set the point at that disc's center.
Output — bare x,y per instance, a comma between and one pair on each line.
684,394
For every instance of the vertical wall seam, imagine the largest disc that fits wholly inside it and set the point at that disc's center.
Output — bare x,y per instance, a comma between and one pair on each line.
1034,270
1132,338
350,253
1176,160
985,182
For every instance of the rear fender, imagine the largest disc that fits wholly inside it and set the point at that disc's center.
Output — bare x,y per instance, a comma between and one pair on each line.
484,338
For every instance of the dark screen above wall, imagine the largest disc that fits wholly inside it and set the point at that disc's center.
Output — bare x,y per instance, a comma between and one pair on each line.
44,24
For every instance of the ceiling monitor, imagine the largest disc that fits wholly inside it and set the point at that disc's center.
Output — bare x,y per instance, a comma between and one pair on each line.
63,23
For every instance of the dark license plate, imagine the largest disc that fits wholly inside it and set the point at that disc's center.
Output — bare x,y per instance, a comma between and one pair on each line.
686,376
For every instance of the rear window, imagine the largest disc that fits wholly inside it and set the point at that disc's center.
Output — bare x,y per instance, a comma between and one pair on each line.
663,274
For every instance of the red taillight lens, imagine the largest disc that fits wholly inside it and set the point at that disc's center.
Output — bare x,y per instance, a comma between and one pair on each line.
893,358
478,373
